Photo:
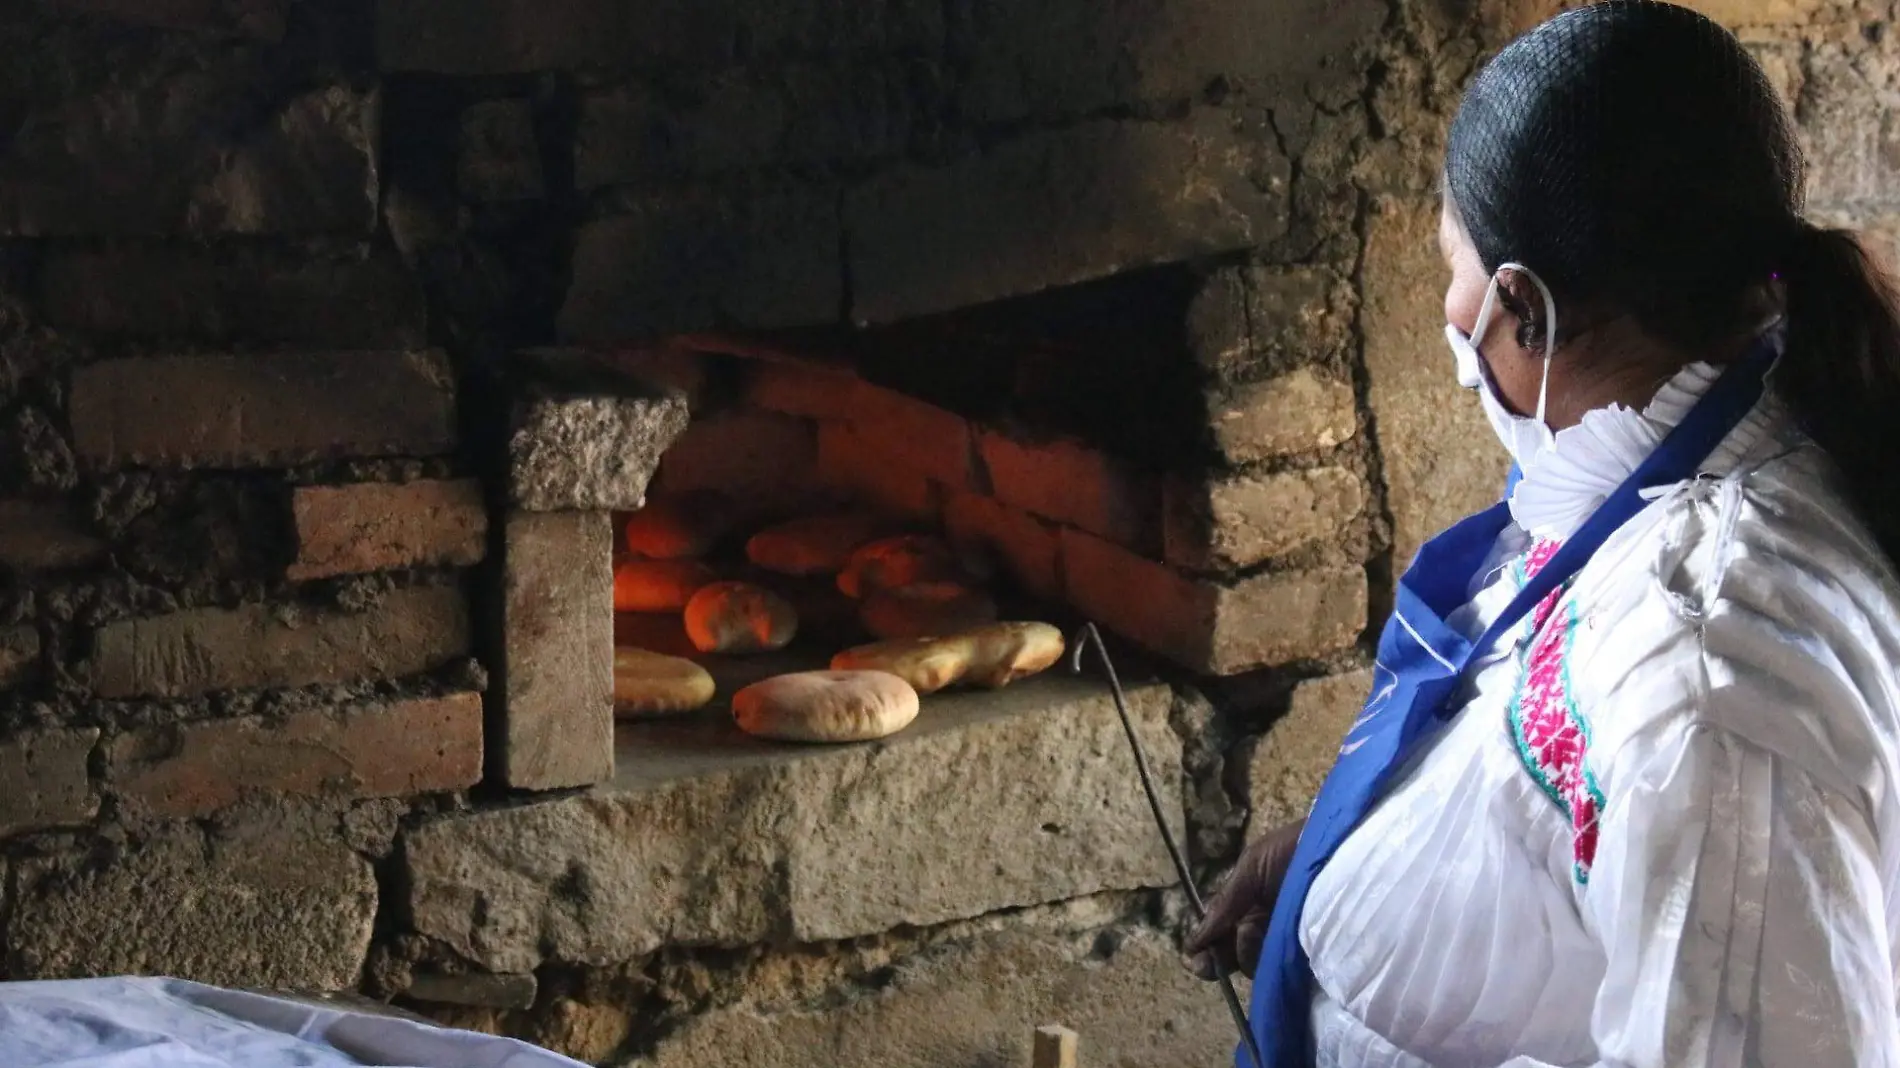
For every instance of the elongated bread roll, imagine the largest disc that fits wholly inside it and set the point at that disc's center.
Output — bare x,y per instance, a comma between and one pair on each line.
905,560
928,664
652,684
1001,653
819,545
680,527
658,585
738,617
826,706
926,609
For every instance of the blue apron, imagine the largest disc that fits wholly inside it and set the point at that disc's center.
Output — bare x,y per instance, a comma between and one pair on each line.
1420,660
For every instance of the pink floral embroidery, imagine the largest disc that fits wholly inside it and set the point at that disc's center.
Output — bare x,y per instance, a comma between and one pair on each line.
1552,735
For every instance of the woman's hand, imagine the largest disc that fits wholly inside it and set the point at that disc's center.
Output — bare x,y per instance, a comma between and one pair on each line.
1229,937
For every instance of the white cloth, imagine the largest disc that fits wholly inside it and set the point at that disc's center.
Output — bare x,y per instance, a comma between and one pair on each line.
170,1023
1734,660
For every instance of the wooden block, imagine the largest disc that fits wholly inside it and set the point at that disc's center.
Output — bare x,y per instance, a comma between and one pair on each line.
1054,1048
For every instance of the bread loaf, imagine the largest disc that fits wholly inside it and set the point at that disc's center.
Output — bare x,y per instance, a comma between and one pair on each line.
904,560
928,664
681,527
651,684
826,706
738,617
658,585
818,545
1001,653
925,609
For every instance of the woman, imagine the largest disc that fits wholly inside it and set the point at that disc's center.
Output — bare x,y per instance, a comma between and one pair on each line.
1627,790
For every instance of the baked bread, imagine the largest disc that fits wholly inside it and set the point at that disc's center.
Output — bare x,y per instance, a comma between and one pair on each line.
925,609
738,617
1001,653
817,545
680,527
658,585
900,561
928,664
826,706
653,684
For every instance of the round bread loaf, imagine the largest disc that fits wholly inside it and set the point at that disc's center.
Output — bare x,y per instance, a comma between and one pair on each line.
826,706
679,528
653,684
1001,653
928,664
738,617
925,609
658,585
905,560
817,545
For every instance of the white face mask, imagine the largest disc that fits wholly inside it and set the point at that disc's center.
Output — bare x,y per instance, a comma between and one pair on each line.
1525,438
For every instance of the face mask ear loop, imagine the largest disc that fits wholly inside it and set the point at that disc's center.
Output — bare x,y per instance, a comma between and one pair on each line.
1550,330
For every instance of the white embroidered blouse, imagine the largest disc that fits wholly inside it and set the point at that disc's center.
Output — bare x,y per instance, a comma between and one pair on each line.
1663,829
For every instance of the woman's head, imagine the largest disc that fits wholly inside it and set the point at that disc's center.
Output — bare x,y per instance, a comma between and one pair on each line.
1634,156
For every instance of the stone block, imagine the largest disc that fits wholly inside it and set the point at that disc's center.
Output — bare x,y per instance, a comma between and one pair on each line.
1849,129
202,158
47,781
1441,461
497,158
591,452
852,463
517,36
766,461
44,536
379,526
204,649
707,259
262,410
248,295
1067,481
1285,766
977,1000
811,391
1213,627
19,654
1238,521
1070,57
1246,320
511,991
1751,14
1028,548
1297,412
557,651
415,746
1053,208
992,801
260,19
267,902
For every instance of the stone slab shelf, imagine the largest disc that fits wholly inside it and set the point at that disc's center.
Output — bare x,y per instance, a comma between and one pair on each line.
991,800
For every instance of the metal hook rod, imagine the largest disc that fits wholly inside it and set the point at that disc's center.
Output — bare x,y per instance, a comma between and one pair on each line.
1088,636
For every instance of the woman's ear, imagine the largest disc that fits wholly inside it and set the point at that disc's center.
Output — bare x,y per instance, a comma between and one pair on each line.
1521,298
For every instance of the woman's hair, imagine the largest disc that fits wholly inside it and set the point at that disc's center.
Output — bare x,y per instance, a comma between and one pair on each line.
1633,154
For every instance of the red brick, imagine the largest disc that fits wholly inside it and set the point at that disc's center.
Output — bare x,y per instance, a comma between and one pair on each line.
1239,521
557,651
935,443
422,745
757,458
262,410
44,536
813,391
1071,483
851,463
1217,628
44,780
1029,549
1297,412
377,526
205,649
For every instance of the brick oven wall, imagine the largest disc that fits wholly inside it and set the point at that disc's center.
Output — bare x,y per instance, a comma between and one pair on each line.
264,267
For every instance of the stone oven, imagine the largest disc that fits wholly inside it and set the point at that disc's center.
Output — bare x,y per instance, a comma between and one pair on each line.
339,338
